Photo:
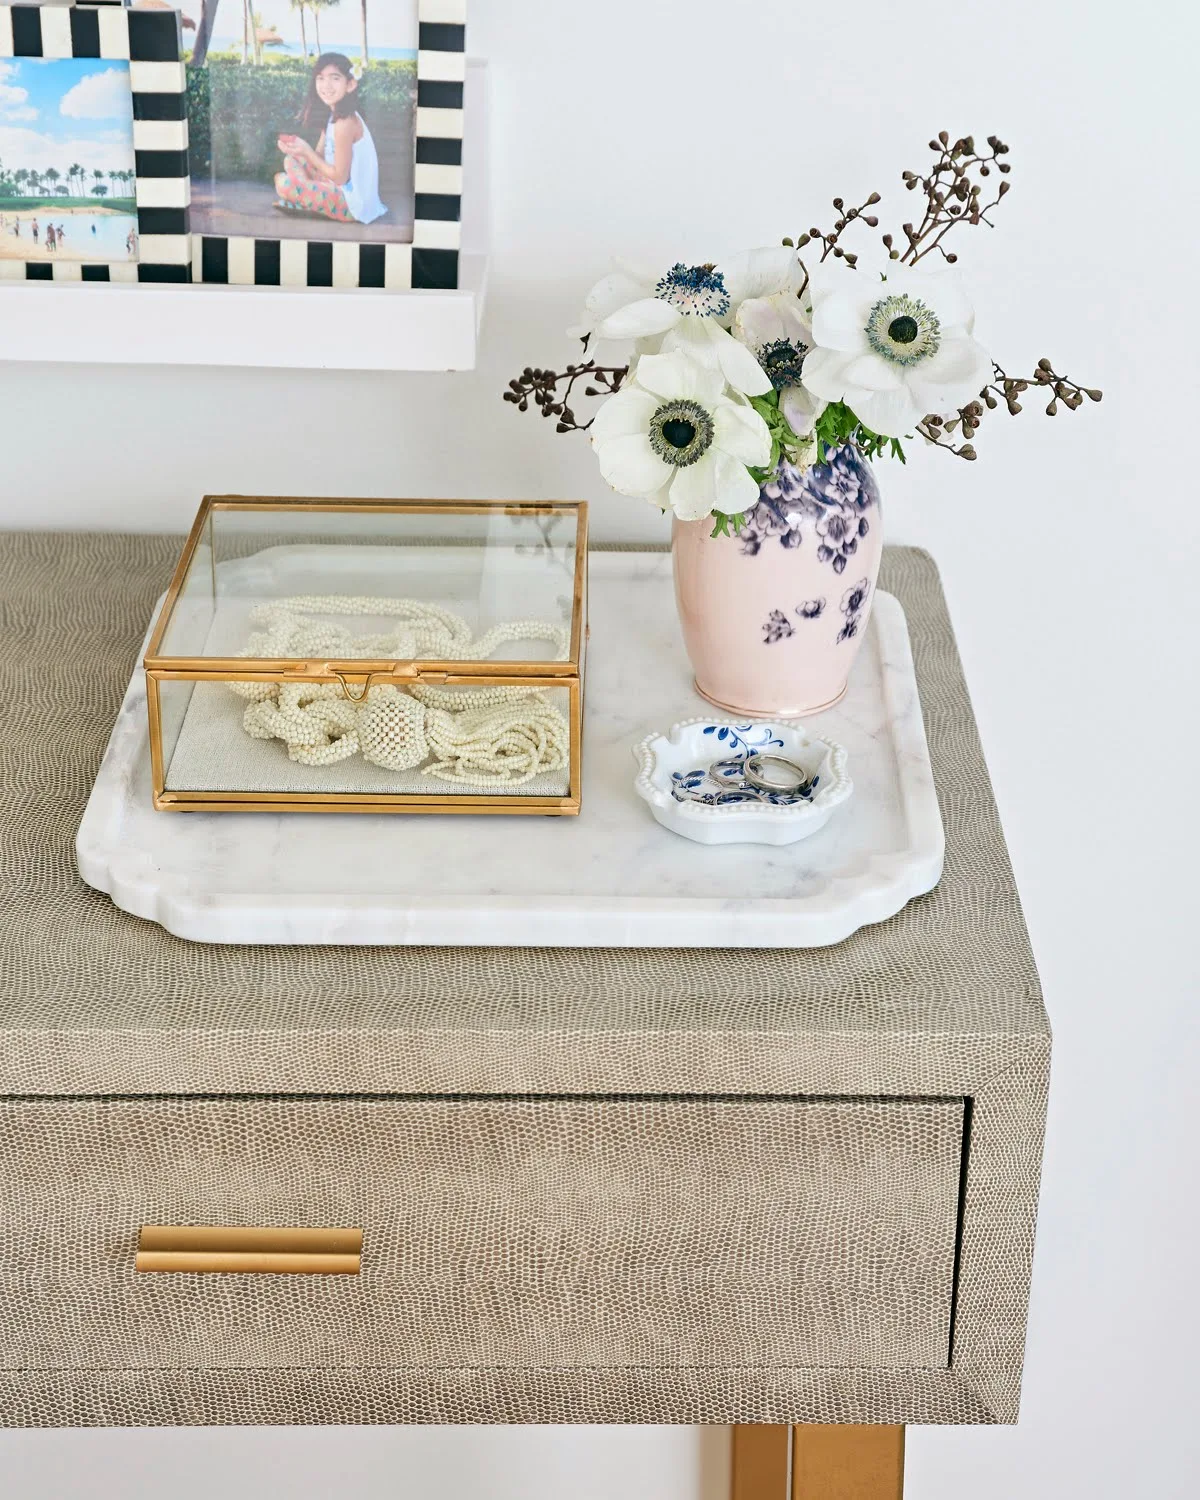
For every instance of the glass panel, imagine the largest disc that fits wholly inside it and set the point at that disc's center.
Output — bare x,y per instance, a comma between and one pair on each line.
174,700
304,738
303,583
191,620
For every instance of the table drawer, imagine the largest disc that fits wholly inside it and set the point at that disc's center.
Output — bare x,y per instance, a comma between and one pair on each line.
499,1232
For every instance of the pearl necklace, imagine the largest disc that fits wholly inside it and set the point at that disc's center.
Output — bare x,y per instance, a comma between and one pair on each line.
426,630
483,737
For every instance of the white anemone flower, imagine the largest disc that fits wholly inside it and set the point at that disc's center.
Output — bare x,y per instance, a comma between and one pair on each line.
895,350
686,310
676,437
778,332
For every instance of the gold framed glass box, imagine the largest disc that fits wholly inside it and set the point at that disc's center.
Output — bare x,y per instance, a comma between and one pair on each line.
372,656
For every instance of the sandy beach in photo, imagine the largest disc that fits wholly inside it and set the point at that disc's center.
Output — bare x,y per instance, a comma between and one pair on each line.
67,161
115,237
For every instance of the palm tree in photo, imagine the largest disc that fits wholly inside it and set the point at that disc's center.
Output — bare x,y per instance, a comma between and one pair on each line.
208,15
52,177
97,179
301,6
35,183
317,6
76,172
21,177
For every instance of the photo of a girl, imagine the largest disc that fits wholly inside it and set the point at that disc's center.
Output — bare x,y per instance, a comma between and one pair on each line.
339,178
302,121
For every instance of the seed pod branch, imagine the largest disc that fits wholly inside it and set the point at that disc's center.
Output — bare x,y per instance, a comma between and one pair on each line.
954,194
830,240
1007,389
542,388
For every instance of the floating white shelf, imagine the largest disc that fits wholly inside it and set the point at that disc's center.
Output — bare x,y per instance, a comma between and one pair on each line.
268,327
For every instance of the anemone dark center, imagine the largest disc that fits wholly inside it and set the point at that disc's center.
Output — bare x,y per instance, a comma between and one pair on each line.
681,432
903,330
678,432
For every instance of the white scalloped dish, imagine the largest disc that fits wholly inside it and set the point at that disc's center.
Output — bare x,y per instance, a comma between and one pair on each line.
693,781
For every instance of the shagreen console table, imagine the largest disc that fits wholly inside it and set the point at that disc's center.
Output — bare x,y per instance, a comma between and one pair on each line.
793,1191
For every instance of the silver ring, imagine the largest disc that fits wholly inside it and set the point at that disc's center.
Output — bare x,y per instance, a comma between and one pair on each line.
775,773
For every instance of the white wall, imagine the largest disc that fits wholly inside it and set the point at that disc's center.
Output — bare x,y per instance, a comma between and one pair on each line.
1068,553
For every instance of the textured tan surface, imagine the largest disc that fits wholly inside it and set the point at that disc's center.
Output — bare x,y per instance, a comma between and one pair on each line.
95,1001
941,1000
565,1232
311,1398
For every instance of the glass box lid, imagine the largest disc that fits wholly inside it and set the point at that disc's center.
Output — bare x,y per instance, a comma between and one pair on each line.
329,587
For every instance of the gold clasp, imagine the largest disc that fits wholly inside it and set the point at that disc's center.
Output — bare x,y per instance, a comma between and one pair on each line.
366,687
400,674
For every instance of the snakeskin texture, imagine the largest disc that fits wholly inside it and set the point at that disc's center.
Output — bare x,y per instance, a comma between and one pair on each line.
96,1001
941,1002
584,1233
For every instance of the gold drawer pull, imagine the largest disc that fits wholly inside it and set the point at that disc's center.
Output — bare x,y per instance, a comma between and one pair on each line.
329,1252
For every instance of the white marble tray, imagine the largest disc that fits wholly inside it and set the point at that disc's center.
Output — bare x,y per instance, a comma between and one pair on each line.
609,878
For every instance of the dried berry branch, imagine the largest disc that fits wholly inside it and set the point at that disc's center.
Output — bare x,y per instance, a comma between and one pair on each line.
1009,389
952,195
829,240
542,387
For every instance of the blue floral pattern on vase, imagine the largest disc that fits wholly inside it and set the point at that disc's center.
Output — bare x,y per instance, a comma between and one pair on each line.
833,500
854,601
777,628
724,781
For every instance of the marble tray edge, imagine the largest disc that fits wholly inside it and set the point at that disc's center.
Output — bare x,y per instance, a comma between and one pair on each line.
880,887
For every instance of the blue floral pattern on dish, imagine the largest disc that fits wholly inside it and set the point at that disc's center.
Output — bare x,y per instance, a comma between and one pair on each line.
831,502
724,781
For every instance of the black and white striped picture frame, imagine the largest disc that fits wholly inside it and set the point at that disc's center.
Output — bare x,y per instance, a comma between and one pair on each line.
441,78
431,260
149,41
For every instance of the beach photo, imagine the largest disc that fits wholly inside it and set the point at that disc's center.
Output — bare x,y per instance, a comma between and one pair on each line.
302,117
67,181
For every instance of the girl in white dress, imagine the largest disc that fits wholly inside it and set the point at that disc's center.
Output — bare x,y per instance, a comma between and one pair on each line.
339,179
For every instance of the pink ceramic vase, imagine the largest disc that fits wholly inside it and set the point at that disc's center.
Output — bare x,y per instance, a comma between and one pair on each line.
773,617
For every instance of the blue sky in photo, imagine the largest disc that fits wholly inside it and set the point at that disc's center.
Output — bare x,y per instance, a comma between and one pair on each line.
391,26
75,109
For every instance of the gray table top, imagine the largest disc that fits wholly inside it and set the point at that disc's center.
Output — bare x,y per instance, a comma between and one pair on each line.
938,1000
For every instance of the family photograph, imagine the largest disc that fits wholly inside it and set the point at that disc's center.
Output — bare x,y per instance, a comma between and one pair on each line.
302,117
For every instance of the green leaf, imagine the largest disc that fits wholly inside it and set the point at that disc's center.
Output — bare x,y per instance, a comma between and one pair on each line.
837,425
785,442
727,525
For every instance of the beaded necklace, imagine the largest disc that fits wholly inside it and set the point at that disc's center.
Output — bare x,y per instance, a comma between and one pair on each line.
477,736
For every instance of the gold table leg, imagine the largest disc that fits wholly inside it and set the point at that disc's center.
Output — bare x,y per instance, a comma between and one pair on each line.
822,1462
760,1462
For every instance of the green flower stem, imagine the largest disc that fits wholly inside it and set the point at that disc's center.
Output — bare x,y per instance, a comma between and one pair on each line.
784,442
